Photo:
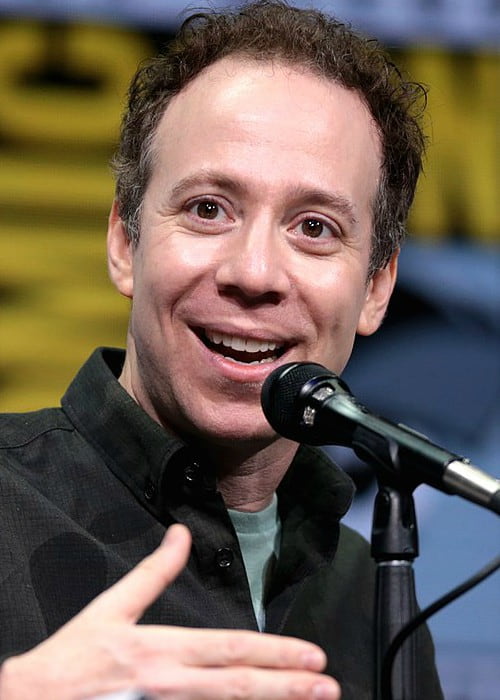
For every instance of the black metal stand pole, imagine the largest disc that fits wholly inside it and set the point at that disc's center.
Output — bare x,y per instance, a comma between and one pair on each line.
394,547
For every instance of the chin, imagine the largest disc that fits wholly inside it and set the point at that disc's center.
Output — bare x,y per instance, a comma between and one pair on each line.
233,432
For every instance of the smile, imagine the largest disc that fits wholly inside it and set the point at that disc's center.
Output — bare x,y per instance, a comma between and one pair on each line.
242,350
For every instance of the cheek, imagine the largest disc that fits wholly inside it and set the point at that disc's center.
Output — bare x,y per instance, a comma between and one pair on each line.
335,297
161,278
334,305
177,262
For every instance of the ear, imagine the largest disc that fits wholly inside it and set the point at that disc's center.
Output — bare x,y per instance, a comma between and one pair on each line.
120,257
378,293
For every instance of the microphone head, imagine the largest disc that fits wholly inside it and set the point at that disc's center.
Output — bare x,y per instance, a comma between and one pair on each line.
282,394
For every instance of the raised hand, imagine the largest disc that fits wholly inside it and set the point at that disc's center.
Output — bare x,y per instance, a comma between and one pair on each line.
102,650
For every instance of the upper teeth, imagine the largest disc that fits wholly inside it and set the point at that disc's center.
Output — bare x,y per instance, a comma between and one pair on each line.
241,344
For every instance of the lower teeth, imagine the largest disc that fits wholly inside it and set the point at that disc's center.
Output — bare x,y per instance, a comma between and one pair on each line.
253,362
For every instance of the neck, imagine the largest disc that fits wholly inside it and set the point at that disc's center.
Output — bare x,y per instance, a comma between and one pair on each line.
248,473
247,481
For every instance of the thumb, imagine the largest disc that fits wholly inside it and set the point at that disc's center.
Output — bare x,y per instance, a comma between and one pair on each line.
127,599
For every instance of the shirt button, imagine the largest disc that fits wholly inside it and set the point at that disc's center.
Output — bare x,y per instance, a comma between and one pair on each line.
149,490
191,471
224,557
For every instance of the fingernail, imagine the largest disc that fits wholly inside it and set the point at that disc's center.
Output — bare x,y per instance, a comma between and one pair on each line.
325,691
314,660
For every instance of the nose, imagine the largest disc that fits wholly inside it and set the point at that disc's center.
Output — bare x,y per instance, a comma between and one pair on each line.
253,265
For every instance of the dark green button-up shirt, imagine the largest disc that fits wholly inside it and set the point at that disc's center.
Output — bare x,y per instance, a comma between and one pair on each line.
87,490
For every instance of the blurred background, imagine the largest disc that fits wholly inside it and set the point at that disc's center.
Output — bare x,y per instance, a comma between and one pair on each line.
435,364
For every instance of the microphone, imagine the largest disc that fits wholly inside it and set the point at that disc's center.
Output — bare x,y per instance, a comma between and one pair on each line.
308,403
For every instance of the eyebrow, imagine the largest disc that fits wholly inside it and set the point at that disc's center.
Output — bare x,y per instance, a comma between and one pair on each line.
206,177
331,200
307,196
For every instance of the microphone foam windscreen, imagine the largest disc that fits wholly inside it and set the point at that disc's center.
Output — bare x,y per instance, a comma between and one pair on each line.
281,392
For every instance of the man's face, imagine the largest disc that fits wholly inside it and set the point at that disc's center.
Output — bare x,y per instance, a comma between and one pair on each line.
254,248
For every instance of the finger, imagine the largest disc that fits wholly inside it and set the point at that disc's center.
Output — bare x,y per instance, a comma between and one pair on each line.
127,599
242,682
212,648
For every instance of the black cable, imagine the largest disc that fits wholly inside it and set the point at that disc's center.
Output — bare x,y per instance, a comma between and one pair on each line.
386,671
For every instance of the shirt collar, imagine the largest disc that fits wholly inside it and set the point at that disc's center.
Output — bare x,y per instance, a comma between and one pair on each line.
135,447
160,468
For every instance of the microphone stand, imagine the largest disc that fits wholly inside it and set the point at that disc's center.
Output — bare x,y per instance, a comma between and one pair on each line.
394,547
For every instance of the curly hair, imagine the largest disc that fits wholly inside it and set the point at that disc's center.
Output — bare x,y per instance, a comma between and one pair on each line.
272,30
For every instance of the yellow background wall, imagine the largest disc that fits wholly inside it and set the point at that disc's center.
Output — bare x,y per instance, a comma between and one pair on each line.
61,94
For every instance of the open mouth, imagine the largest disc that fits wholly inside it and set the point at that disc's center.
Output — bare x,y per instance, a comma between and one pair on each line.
248,351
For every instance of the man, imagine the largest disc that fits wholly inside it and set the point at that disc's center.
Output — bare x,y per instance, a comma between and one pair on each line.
265,170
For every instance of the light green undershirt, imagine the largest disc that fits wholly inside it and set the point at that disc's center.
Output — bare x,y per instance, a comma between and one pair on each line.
259,537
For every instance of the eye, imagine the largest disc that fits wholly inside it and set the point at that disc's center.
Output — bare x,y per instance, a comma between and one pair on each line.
207,209
314,228
207,214
316,234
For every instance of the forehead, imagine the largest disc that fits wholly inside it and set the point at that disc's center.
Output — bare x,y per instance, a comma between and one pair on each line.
273,120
